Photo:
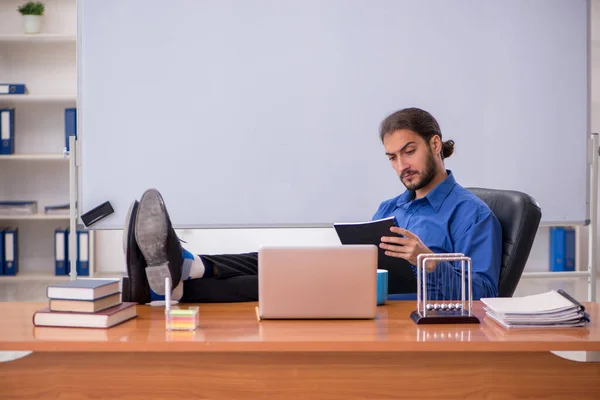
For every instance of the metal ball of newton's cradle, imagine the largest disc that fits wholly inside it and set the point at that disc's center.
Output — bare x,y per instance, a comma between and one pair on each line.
443,306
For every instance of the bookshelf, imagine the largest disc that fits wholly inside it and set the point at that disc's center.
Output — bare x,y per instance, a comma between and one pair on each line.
33,157
39,168
39,98
41,37
34,277
33,217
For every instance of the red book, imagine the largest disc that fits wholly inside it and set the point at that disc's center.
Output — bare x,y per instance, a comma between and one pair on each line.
101,319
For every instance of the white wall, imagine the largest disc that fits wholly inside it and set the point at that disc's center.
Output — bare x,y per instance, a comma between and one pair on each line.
109,254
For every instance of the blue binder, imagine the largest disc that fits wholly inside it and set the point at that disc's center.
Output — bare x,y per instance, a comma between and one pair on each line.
1,251
12,88
569,249
11,252
562,249
70,125
61,251
68,239
83,253
557,249
7,130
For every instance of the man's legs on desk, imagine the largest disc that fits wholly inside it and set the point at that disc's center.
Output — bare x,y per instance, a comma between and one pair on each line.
153,251
235,279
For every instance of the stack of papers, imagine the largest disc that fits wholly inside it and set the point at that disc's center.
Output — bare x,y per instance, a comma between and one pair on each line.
553,309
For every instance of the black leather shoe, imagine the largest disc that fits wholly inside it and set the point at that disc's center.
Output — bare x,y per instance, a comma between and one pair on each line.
158,242
138,290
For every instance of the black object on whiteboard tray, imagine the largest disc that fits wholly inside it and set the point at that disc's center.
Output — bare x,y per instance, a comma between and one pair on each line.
95,215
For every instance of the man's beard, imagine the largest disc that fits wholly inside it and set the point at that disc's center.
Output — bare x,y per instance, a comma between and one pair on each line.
426,176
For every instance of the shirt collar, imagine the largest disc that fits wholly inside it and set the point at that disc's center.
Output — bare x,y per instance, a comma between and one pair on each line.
405,197
436,196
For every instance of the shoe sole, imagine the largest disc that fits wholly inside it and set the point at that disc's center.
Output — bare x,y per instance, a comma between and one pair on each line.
138,284
128,227
151,235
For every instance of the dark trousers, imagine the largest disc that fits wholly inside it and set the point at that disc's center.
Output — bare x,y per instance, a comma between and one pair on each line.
236,280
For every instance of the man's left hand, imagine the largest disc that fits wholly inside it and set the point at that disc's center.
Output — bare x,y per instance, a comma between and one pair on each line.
408,247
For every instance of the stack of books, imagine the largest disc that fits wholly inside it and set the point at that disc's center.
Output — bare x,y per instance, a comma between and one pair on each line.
85,303
58,209
18,207
553,309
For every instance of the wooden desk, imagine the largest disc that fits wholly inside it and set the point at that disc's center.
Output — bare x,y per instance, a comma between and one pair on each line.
233,356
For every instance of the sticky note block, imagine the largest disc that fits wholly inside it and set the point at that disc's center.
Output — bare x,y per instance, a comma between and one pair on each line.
183,319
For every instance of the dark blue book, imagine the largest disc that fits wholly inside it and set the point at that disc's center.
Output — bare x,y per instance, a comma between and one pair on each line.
17,203
60,209
401,278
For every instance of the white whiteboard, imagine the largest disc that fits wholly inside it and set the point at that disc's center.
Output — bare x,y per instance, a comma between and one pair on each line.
256,113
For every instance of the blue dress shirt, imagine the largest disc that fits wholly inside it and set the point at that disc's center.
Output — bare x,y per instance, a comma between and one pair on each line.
451,219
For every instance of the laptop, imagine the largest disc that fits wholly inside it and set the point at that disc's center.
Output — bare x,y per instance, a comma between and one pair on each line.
327,282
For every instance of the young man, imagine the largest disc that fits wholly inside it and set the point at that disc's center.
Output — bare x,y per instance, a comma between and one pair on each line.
435,214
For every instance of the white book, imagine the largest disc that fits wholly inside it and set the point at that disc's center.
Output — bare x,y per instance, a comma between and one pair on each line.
544,303
554,309
562,316
531,325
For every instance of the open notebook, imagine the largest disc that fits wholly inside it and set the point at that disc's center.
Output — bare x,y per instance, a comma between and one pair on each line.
553,309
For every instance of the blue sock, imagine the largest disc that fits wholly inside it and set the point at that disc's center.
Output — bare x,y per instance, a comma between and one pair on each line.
188,258
155,297
185,273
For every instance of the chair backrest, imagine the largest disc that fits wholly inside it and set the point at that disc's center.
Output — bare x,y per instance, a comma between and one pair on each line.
519,215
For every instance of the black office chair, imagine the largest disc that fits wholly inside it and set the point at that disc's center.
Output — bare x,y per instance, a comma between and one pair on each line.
519,215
